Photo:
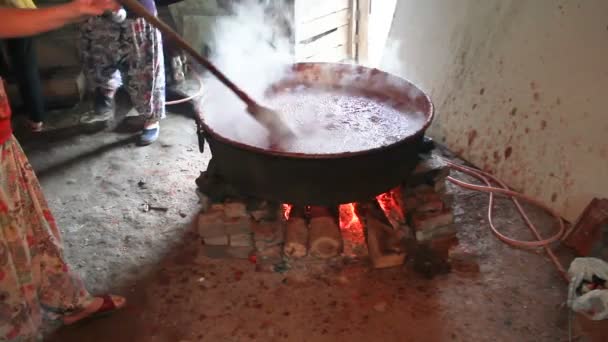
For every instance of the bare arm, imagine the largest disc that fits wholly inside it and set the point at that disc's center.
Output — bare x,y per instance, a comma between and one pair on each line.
25,22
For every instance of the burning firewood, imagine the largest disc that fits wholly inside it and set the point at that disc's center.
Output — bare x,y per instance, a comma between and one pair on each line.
384,243
325,238
296,236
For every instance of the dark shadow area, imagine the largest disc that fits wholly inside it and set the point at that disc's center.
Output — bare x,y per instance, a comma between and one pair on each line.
82,158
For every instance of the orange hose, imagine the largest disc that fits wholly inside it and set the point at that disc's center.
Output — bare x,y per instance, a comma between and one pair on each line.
504,190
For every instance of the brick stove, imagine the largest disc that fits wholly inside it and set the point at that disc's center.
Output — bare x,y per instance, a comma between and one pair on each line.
411,222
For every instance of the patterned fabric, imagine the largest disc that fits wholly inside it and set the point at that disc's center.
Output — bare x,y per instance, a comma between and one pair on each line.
18,3
130,51
5,116
33,273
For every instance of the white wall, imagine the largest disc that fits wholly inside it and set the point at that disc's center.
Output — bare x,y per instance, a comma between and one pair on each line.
520,88
380,22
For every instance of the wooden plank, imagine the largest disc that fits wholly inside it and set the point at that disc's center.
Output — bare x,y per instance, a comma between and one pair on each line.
332,55
309,10
322,25
332,40
362,37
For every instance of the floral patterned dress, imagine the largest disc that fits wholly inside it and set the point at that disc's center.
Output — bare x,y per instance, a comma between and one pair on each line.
34,277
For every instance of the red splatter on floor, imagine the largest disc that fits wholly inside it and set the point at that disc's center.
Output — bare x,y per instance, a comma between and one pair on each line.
543,124
554,197
536,96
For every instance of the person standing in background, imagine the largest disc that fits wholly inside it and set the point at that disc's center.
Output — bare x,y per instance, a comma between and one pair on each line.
24,65
121,48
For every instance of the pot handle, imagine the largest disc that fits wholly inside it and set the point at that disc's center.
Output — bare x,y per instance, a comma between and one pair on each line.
200,133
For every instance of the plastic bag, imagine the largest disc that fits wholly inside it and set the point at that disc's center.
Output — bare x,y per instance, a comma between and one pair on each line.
587,292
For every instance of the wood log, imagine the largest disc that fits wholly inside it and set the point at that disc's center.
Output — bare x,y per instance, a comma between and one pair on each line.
383,242
325,238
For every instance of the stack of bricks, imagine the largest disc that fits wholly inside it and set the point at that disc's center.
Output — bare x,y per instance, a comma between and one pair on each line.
429,207
226,228
231,226
268,229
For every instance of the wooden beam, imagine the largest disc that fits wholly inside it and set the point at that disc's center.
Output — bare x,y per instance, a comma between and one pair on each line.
362,37
331,55
322,25
309,10
332,40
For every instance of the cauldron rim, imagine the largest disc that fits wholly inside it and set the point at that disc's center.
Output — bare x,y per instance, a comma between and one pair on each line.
430,114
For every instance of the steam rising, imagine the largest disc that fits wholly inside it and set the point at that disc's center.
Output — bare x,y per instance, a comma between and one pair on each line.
252,52
249,50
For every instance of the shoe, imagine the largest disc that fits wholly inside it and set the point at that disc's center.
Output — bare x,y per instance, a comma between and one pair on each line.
35,127
91,117
103,109
102,102
149,135
109,305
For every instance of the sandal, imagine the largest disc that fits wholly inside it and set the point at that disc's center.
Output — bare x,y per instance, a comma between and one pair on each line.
109,305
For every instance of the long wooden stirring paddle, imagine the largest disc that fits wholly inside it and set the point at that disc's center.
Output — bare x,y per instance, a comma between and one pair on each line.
265,116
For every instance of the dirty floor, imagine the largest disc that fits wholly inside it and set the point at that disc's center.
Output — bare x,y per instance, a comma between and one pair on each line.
97,182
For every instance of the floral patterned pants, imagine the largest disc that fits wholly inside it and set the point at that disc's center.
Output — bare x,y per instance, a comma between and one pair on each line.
131,51
33,274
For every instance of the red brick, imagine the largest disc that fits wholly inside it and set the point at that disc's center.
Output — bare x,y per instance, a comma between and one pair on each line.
241,225
211,224
235,210
434,206
427,221
587,231
436,233
217,241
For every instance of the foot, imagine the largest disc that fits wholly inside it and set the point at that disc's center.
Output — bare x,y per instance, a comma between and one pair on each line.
103,109
149,134
35,127
103,102
99,306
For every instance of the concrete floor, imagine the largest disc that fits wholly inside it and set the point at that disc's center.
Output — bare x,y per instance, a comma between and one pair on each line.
94,185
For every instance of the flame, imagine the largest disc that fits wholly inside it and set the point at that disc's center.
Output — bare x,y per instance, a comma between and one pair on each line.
287,210
390,202
352,229
348,216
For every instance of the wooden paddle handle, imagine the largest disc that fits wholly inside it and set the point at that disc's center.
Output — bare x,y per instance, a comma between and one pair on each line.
137,8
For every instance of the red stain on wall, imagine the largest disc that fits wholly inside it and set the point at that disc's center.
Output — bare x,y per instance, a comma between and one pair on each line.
508,152
472,137
543,124
496,156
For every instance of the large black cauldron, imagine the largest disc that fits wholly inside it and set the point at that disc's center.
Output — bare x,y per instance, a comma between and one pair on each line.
325,179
